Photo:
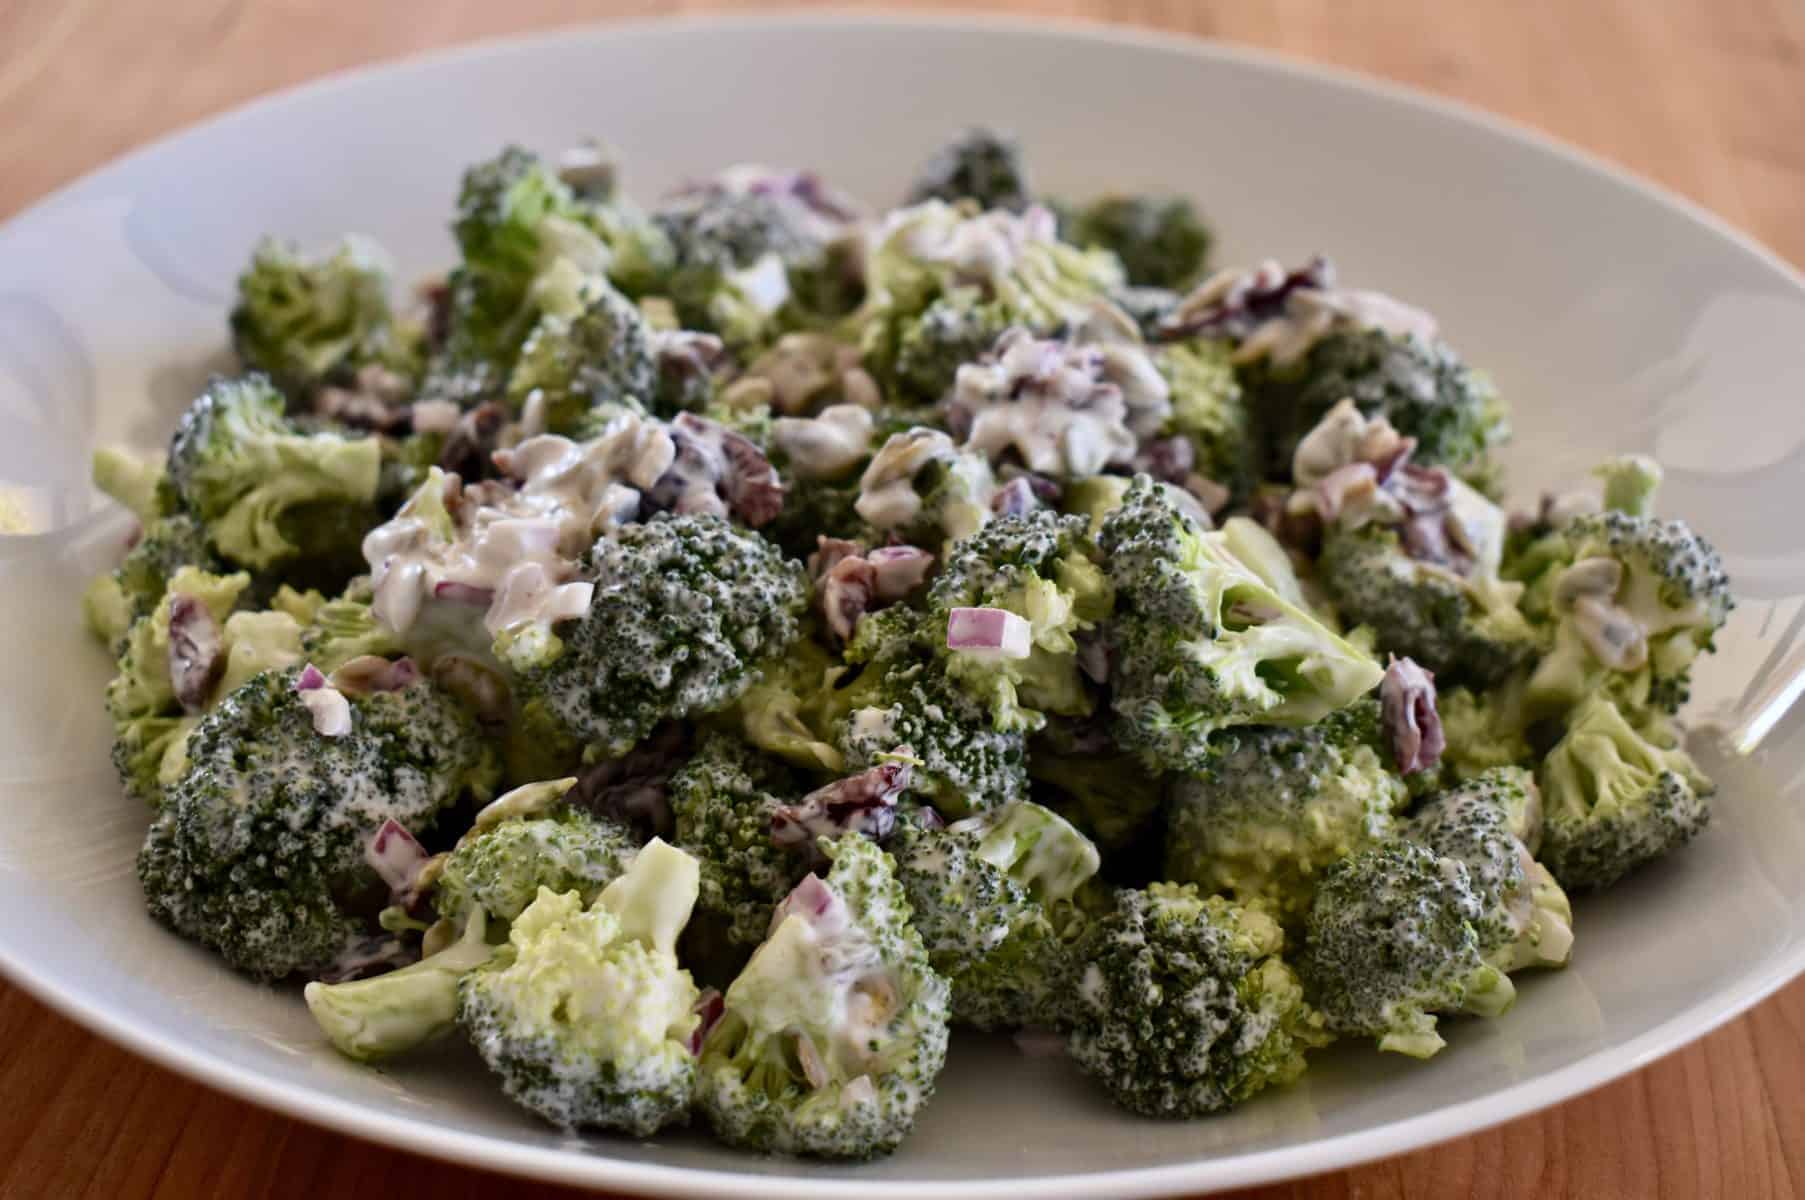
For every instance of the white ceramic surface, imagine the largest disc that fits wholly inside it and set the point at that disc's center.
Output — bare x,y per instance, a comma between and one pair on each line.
1614,317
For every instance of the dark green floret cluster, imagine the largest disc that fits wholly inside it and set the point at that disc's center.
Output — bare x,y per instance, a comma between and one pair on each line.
703,655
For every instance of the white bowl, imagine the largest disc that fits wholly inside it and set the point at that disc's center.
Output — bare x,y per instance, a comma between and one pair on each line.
1613,316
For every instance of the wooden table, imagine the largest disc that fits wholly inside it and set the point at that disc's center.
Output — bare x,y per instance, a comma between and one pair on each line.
1705,96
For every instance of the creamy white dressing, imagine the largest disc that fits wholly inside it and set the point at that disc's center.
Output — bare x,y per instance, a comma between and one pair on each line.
887,496
1309,315
828,446
983,247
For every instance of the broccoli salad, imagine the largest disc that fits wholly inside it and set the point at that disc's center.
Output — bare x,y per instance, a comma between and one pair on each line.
700,654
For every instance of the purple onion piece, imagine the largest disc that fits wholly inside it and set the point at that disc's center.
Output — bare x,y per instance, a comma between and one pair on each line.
310,679
1014,498
395,855
369,673
196,652
992,631
1259,297
1169,460
863,803
812,900
453,592
710,1007
1407,712
899,570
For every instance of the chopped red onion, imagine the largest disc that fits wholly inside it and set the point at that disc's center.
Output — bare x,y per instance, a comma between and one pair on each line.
1407,711
710,1007
369,673
812,900
1235,303
331,711
395,855
994,632
899,570
310,678
196,652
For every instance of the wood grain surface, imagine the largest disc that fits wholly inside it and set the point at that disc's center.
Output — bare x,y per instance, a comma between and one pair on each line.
1704,96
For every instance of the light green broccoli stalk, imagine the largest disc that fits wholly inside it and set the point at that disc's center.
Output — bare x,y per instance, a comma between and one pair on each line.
1484,730
1630,483
266,493
379,1018
306,321
789,711
288,779
1275,808
1183,1006
1616,797
1489,823
1161,240
1201,643
992,898
1627,603
835,1031
684,610
585,1015
1392,939
135,481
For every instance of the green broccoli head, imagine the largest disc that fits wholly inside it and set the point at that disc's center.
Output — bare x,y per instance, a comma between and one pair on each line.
344,628
956,328
723,800
1036,566
255,845
980,165
1423,388
993,269
1183,1006
1161,240
1616,797
1484,730
1459,627
684,609
1392,939
585,1015
835,1031
1201,643
1108,795
1275,808
133,588
735,251
1627,603
1488,823
266,493
500,869
910,709
789,711
601,357
993,901
1209,410
304,321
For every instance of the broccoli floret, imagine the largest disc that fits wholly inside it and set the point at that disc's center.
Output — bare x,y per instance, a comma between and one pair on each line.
266,493
980,165
811,508
789,711
374,1019
136,481
1275,808
835,1031
958,327
1615,797
723,800
1460,627
133,588
1209,410
1488,823
598,358
1484,730
684,609
1630,602
1038,567
585,1014
304,321
254,846
1392,939
1201,643
992,900
1423,388
992,269
500,869
1161,240
1183,1006
735,250
345,628
909,708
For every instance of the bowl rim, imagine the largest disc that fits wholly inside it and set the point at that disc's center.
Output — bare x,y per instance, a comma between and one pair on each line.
423,1136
